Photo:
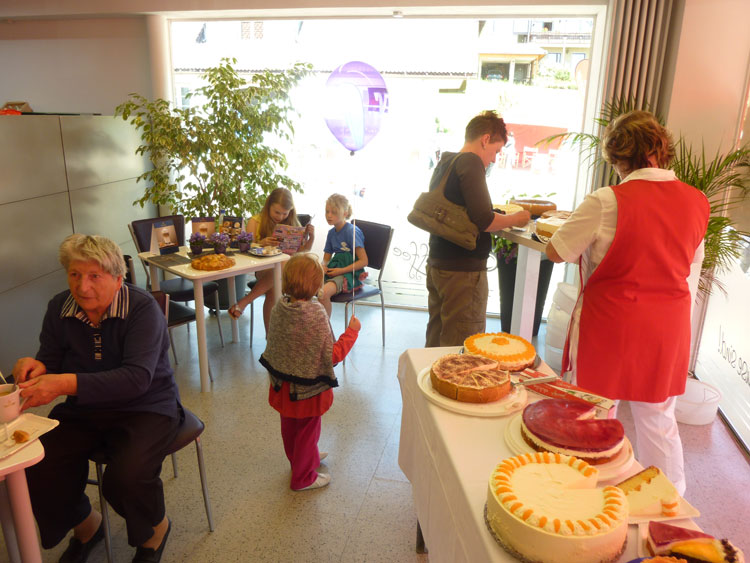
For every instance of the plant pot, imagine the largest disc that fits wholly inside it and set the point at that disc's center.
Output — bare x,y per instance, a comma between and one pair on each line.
244,246
240,288
220,248
196,248
507,278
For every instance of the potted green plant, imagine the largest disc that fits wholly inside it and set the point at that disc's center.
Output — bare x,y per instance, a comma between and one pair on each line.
723,178
217,154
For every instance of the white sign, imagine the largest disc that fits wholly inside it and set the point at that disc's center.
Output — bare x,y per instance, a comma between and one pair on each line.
724,352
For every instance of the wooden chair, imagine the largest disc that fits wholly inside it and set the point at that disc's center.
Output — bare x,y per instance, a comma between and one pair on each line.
377,244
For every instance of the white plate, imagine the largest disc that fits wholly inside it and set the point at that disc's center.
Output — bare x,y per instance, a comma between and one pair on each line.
607,471
258,253
509,404
686,510
643,534
33,424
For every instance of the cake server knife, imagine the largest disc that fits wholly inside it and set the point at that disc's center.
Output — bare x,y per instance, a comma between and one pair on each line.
535,380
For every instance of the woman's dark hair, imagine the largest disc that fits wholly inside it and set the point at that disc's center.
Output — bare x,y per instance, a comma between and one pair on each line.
487,122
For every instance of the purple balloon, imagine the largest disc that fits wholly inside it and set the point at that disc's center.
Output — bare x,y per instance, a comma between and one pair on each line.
356,102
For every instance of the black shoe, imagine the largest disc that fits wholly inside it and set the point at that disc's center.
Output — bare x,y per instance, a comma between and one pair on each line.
78,552
148,555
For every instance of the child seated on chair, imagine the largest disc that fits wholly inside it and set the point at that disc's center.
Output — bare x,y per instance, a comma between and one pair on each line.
344,256
299,357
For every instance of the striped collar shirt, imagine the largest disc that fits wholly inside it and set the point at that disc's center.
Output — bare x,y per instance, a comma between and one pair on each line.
118,308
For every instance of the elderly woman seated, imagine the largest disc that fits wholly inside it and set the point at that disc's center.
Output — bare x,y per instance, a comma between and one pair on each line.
104,346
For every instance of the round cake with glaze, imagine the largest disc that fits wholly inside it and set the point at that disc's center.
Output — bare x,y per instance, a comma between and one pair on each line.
569,427
511,352
545,507
469,378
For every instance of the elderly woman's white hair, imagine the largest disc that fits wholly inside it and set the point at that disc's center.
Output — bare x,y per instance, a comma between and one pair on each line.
86,248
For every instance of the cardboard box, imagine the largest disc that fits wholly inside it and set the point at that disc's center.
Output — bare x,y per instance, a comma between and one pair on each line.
18,106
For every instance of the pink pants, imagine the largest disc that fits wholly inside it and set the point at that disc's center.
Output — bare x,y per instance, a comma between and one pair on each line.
300,436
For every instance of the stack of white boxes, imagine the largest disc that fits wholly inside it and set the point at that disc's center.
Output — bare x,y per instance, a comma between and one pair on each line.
558,318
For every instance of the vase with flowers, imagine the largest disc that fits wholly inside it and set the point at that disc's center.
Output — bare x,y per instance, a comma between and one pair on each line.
244,240
220,242
197,242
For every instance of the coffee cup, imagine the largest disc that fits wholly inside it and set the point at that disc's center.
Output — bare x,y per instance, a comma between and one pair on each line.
10,402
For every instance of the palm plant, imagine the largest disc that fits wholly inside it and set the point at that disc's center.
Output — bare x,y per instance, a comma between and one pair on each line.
724,178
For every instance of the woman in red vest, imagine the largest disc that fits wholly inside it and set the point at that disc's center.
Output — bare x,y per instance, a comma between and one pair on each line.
639,246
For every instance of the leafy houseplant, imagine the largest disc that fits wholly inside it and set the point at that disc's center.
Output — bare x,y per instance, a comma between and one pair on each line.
216,155
723,178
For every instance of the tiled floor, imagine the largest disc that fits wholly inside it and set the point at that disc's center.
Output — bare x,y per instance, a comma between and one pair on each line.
366,514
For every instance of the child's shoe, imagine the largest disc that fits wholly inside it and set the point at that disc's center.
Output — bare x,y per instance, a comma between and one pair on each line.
322,480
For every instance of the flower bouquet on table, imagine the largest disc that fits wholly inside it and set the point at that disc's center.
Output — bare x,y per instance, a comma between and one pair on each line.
220,242
244,240
197,241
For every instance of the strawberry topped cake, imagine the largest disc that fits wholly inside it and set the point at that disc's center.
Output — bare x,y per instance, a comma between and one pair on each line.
511,352
569,427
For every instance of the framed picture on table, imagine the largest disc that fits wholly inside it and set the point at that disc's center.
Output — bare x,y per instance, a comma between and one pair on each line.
164,238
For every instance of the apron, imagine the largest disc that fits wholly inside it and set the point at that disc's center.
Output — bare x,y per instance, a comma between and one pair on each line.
634,334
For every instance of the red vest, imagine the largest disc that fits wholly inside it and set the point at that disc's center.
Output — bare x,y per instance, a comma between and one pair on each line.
634,334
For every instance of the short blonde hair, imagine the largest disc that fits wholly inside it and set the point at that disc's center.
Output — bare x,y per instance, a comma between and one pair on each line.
302,277
86,248
340,204
631,138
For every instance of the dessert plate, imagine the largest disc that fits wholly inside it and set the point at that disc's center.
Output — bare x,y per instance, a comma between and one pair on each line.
258,253
607,471
512,402
30,423
686,510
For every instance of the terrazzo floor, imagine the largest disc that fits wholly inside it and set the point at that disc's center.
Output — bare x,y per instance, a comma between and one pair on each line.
366,514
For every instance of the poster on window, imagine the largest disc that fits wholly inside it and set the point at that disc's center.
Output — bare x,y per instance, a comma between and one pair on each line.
724,352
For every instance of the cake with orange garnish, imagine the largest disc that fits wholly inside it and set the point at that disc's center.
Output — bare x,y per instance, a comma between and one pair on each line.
547,507
511,352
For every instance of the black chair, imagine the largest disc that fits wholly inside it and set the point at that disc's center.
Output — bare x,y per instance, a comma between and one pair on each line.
190,430
178,289
377,243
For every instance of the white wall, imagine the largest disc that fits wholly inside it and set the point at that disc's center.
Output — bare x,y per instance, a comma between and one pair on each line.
711,73
74,66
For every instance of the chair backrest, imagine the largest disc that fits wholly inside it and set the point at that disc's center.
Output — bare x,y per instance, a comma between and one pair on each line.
303,219
162,299
377,242
130,269
141,230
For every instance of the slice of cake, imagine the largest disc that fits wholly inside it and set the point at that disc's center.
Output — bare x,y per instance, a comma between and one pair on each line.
511,352
547,507
650,493
469,378
691,545
569,427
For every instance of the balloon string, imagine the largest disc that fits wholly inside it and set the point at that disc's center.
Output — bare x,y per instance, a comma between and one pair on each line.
354,239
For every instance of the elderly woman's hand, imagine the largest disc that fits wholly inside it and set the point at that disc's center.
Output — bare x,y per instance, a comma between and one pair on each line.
28,368
46,388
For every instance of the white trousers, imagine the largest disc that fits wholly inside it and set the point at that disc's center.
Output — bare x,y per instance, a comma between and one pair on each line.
658,439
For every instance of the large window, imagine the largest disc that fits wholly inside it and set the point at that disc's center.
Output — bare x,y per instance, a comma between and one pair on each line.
439,73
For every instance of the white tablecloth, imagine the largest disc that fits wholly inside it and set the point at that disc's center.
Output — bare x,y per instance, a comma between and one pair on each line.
448,459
